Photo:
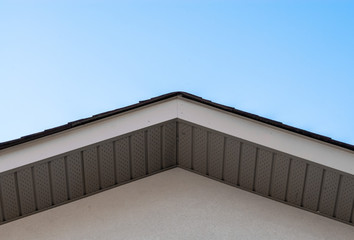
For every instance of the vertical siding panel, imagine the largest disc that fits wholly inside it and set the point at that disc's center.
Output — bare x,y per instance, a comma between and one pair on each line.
345,198
280,176
232,160
42,186
169,145
59,184
329,192
138,154
185,145
9,196
75,175
352,216
154,149
106,163
91,170
263,171
123,160
1,210
216,151
312,187
26,192
296,181
200,150
247,165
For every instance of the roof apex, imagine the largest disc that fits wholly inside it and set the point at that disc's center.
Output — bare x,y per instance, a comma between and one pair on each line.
182,94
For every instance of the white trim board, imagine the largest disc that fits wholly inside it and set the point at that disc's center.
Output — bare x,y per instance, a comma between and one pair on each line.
266,135
87,134
184,109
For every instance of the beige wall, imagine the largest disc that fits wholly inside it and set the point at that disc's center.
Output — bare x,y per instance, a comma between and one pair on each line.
175,204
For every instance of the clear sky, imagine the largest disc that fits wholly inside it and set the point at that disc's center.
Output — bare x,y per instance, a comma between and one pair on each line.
291,61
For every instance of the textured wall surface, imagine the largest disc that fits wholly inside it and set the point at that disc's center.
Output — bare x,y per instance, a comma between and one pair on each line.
175,204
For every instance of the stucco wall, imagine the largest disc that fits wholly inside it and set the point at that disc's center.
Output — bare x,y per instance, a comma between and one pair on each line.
175,204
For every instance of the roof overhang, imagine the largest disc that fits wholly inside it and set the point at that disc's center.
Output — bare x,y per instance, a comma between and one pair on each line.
269,158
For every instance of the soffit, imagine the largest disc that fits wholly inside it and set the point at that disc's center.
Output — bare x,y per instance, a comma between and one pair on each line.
176,130
256,168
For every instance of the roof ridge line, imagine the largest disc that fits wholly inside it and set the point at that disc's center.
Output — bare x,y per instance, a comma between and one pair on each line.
183,94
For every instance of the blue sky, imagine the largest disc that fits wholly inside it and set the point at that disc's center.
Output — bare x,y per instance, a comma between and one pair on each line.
291,61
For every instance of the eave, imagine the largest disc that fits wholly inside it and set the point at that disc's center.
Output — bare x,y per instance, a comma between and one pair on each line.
179,129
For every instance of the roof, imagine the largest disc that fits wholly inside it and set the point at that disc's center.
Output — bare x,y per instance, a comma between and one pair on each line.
189,96
178,129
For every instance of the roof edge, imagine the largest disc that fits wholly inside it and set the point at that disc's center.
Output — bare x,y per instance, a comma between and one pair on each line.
269,121
83,121
186,95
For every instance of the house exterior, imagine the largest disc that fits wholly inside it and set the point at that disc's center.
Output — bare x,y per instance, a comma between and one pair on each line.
170,144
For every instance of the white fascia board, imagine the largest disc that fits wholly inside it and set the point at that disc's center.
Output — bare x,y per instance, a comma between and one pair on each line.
87,134
266,135
188,110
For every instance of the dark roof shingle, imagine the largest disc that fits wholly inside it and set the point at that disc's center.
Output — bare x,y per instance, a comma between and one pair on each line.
96,117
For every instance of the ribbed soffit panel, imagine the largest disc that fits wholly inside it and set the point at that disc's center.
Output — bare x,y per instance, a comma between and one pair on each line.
267,172
255,168
83,172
